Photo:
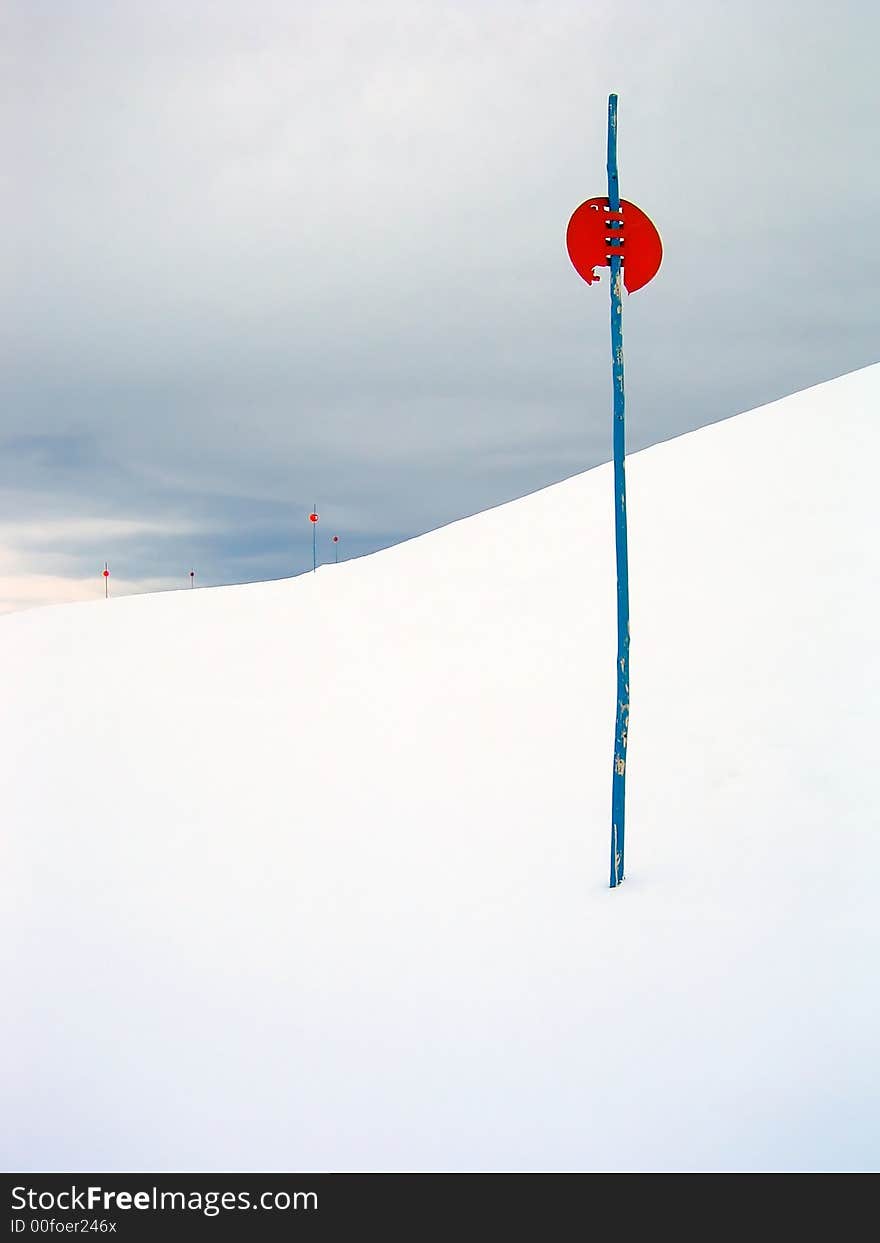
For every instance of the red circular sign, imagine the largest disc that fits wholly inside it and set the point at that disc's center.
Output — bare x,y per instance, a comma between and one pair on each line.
589,247
335,539
313,517
106,573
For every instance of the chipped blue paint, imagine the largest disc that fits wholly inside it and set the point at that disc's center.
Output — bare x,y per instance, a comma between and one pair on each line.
618,778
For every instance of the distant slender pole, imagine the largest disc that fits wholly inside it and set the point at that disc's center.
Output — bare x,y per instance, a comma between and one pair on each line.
192,578
336,547
618,779
106,582
314,541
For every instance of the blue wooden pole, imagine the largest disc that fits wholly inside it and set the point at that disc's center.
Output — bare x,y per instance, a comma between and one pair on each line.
618,779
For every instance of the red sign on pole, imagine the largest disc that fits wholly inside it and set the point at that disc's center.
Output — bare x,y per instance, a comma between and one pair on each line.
313,519
612,232
589,242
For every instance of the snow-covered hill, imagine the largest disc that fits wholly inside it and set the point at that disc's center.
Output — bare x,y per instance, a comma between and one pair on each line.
312,874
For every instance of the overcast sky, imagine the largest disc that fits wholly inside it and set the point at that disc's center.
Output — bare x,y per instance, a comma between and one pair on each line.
260,255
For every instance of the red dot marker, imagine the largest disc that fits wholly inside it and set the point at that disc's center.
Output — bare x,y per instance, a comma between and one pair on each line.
637,241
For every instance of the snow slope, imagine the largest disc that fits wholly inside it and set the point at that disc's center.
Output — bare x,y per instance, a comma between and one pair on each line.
312,874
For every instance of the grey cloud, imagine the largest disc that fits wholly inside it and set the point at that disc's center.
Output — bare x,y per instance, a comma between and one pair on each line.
261,255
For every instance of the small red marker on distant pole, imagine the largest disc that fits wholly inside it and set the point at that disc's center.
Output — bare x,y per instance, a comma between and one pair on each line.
106,582
313,519
192,578
336,547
